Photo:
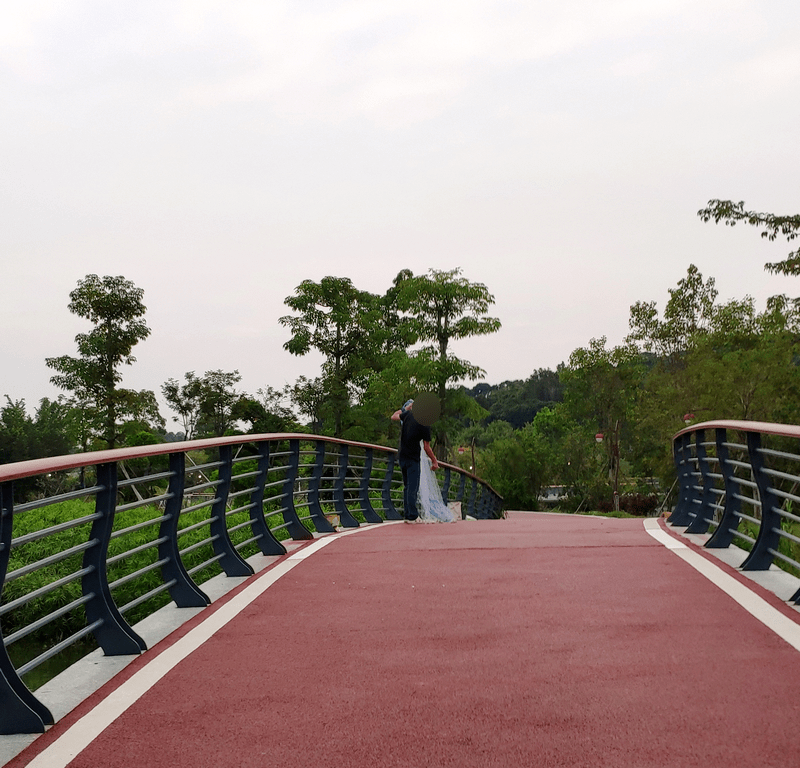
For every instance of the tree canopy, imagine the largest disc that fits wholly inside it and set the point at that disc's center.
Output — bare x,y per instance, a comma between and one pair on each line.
773,226
114,306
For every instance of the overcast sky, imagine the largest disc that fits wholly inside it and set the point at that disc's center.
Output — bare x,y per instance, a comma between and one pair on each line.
219,153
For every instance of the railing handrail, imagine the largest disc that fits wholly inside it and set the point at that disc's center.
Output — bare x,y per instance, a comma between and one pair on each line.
19,470
763,427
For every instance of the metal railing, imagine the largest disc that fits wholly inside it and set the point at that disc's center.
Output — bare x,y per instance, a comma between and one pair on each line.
91,543
740,480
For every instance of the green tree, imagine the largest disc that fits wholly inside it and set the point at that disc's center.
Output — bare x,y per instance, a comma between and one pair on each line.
218,399
346,326
205,404
601,387
267,412
114,305
687,315
774,226
184,399
442,307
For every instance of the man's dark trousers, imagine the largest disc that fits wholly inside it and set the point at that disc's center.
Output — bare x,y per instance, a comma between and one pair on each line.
410,470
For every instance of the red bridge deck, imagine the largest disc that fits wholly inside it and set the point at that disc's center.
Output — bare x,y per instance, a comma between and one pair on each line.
541,640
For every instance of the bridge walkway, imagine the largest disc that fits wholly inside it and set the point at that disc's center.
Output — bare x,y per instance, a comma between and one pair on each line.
540,640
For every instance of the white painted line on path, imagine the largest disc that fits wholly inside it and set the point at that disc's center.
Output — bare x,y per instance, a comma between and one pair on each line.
81,733
754,604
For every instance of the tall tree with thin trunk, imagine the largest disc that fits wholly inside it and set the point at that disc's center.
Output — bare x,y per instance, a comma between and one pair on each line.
114,306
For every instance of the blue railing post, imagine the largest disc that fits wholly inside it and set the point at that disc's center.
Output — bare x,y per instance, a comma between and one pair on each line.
729,522
471,501
389,511
345,518
294,525
111,631
446,486
761,557
370,515
22,711
267,543
229,559
682,452
321,523
700,523
183,591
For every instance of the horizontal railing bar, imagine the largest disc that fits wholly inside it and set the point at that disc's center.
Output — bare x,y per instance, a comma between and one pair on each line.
251,540
45,561
243,492
152,500
197,545
787,515
195,526
749,518
128,481
139,526
135,551
203,467
45,620
210,561
136,574
56,649
782,475
35,535
201,486
279,527
243,508
239,526
69,496
245,475
786,535
46,589
783,557
200,505
779,454
786,495
147,595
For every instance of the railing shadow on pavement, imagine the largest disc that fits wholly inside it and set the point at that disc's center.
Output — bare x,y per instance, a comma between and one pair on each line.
92,542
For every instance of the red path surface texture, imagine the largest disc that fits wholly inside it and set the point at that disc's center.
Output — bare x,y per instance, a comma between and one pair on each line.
540,640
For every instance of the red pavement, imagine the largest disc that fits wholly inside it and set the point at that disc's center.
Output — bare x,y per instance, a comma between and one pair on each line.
540,640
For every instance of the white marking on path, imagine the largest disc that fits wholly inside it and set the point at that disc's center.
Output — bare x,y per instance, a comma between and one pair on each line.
81,733
755,605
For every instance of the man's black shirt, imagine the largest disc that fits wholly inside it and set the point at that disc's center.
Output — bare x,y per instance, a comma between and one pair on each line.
411,432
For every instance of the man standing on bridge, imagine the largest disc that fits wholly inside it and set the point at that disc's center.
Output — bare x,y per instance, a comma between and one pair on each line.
411,433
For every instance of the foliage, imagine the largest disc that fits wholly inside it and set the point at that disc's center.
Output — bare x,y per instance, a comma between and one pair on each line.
345,325
774,226
114,305
206,404
267,412
517,402
442,307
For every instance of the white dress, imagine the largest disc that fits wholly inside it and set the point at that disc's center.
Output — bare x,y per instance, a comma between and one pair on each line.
434,510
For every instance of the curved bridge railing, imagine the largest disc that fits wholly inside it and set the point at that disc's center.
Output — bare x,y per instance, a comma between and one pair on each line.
740,480
92,543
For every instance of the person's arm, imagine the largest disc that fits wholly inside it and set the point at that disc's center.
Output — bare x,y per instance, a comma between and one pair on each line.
431,455
396,415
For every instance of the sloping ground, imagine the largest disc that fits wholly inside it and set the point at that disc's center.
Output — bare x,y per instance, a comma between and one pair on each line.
541,640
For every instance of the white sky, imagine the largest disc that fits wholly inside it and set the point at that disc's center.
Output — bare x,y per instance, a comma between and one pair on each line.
219,153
